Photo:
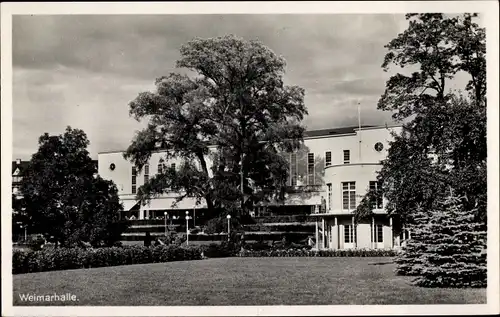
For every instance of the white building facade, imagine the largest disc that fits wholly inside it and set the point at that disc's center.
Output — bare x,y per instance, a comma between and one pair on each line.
350,158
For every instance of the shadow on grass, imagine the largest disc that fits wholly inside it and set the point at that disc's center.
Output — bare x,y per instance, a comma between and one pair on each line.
380,263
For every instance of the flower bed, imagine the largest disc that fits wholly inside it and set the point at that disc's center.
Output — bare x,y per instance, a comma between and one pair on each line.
67,259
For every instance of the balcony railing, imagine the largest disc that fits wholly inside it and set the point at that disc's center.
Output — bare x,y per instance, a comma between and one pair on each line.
304,189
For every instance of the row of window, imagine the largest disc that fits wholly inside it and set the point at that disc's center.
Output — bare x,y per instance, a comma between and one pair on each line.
17,179
350,234
146,175
349,195
328,157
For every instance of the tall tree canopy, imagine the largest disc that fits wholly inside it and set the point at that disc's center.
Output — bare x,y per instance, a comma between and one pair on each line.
64,199
443,142
236,101
439,47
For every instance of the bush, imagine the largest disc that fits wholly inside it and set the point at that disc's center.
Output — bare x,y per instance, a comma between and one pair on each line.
180,238
219,224
35,243
222,250
305,252
75,258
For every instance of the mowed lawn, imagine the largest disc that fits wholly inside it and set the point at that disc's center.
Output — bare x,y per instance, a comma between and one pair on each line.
242,281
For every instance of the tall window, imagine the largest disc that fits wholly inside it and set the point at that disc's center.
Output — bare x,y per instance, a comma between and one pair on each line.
172,166
160,168
347,156
349,195
134,180
329,196
310,169
349,233
377,202
328,158
146,173
293,169
379,233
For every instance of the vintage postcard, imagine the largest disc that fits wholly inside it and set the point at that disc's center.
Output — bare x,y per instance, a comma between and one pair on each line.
247,158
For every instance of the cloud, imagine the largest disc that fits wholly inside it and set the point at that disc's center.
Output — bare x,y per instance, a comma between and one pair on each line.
84,70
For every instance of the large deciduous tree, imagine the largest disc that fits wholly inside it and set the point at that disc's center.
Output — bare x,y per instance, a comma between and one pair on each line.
237,103
63,197
443,141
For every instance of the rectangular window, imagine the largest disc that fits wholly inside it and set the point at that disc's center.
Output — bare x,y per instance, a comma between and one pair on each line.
349,196
160,168
146,173
310,169
377,202
328,158
329,196
379,233
172,166
134,180
347,156
349,233
293,169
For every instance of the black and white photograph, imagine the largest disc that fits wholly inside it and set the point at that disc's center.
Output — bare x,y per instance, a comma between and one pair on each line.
250,159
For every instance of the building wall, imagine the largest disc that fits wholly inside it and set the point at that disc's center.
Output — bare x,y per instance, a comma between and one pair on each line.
335,238
360,174
361,168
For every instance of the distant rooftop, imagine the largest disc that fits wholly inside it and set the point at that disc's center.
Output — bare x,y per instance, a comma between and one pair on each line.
333,131
22,165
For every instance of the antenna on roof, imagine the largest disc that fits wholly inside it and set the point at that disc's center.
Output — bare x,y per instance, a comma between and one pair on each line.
359,130
359,115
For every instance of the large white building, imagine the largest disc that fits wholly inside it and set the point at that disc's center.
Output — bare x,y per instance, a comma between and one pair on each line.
349,158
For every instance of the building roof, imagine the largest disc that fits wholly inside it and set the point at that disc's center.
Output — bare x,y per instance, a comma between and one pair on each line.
22,167
310,133
333,131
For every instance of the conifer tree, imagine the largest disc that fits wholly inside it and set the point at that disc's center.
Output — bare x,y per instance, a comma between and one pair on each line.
409,262
454,247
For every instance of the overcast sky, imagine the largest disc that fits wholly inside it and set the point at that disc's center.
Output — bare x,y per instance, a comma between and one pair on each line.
83,71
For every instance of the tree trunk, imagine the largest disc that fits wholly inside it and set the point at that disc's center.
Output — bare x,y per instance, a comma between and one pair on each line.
208,196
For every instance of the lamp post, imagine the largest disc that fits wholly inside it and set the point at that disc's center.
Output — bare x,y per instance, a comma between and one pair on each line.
228,226
187,227
194,217
25,232
165,214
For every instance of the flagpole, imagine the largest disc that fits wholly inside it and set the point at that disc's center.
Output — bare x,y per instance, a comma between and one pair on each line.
359,130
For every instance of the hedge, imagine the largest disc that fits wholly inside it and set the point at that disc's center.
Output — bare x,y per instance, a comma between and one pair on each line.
222,250
320,253
74,258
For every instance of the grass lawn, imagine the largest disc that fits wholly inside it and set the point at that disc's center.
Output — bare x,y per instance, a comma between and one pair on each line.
242,281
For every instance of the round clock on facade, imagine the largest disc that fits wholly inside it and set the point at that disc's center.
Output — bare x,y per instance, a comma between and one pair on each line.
379,146
112,166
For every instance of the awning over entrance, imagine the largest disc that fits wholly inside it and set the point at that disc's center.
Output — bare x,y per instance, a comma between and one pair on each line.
166,204
130,204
